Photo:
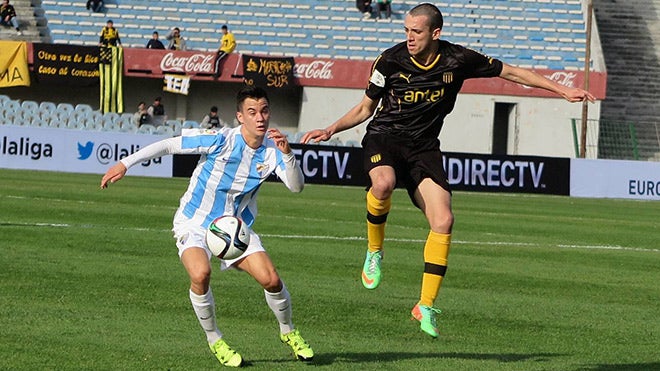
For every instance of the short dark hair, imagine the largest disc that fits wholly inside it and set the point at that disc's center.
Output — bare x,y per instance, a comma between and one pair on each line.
155,33
224,27
214,109
157,99
249,91
431,12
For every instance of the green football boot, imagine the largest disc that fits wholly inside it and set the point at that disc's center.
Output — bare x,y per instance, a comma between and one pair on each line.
426,317
226,355
300,348
371,269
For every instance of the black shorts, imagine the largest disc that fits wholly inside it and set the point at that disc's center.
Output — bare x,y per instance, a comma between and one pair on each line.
412,160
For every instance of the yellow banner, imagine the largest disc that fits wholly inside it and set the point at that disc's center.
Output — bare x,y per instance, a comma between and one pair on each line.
111,72
13,64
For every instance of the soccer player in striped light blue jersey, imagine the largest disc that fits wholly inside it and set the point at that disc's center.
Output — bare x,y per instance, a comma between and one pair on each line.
233,164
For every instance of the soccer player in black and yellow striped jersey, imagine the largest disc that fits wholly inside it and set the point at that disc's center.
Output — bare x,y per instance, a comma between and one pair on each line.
417,82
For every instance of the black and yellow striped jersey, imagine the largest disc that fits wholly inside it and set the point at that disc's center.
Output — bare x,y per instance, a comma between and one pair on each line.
416,98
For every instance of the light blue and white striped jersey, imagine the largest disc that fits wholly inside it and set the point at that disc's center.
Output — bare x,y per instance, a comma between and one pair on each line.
228,174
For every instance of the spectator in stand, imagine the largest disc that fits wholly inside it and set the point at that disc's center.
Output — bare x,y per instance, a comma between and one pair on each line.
95,5
177,42
227,46
141,116
211,120
364,6
8,16
384,5
154,43
157,112
109,35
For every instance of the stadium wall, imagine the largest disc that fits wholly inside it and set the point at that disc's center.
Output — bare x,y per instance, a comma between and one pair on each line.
323,89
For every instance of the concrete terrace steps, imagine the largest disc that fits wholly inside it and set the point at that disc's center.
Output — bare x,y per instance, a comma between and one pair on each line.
316,28
630,37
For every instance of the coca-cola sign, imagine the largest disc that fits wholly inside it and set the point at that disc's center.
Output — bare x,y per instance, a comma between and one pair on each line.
317,69
196,63
563,78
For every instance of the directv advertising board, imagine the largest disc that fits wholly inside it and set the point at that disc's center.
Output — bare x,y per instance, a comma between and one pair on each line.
79,151
465,171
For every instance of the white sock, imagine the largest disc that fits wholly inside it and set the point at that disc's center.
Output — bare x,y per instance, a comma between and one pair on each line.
280,304
204,306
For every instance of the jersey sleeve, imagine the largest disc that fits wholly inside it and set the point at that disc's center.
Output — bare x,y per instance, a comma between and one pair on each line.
202,141
290,172
378,81
479,65
191,141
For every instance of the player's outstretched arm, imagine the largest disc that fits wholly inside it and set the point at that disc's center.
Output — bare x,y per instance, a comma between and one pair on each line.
163,147
113,174
354,117
531,78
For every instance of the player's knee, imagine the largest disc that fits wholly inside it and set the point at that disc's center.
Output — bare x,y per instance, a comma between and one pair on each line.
272,283
442,223
200,277
382,188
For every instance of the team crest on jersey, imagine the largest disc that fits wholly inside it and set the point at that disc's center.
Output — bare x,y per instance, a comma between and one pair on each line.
448,77
376,158
262,168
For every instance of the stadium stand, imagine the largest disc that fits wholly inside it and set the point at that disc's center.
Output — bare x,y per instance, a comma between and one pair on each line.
533,34
541,34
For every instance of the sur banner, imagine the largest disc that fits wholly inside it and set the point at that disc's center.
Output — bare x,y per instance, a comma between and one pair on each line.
111,66
66,64
268,71
13,64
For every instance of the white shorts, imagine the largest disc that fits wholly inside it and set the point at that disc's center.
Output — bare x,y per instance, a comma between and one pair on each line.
189,234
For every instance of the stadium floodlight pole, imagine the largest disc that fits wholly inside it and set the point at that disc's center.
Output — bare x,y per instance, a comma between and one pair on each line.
587,65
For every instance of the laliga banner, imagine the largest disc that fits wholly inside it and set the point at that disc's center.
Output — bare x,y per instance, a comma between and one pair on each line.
76,151
66,64
13,64
268,71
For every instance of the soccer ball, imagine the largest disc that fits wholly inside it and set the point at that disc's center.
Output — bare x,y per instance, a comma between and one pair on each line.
228,237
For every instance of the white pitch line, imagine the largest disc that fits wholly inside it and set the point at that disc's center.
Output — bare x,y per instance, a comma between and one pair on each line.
459,242
357,238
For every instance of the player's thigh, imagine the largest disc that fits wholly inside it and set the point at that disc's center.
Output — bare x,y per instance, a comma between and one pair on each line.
197,264
435,202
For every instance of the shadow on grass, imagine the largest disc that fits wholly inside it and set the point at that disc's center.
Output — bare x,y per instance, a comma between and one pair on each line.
329,358
624,367
383,357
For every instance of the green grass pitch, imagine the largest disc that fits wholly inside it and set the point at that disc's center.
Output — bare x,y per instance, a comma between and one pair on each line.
90,279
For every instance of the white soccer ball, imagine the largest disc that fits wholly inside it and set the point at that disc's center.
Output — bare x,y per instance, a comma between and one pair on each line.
228,237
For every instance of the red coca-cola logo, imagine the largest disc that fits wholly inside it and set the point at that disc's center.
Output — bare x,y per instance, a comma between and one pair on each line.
563,78
321,70
193,63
